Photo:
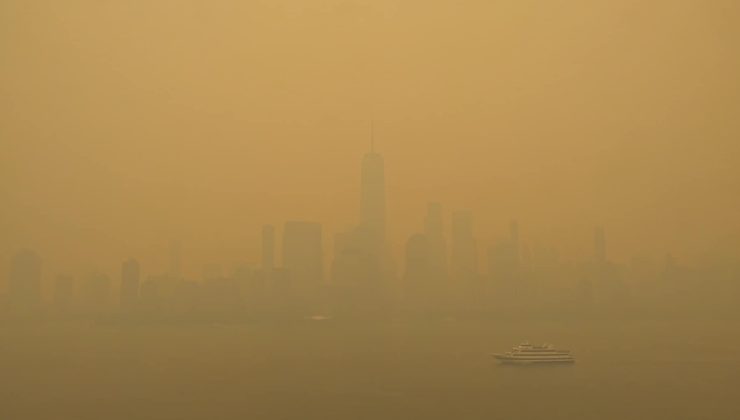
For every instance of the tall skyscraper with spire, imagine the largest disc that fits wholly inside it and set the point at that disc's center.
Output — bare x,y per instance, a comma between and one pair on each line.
362,265
372,198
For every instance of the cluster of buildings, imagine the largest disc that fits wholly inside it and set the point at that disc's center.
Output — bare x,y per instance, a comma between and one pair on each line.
439,275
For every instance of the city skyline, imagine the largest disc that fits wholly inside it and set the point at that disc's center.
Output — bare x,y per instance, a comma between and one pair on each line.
172,263
372,224
441,271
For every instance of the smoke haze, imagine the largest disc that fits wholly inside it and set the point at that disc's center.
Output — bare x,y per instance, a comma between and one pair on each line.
215,208
125,126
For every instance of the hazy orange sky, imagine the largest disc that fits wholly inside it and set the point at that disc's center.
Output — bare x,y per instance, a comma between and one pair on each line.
124,125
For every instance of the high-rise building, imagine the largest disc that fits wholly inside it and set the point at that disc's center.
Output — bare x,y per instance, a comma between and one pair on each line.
24,286
504,258
303,255
372,200
130,280
347,266
265,280
464,258
362,266
609,290
418,278
434,231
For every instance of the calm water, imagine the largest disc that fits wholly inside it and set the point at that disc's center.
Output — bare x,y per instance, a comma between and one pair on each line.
402,370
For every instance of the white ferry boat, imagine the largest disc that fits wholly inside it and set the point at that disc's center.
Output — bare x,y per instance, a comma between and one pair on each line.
526,353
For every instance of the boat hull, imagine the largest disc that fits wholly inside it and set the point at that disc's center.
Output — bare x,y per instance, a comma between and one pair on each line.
505,359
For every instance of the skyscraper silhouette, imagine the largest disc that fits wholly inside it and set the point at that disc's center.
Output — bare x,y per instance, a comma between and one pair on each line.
266,282
372,200
362,265
464,258
434,231
268,249
303,259
504,258
418,277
